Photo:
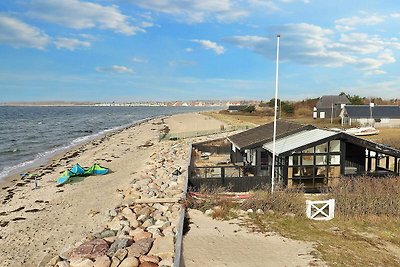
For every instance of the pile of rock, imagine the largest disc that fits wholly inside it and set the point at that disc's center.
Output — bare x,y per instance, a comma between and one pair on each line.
142,229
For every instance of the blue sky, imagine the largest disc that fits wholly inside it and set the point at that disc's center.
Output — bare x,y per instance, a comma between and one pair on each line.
135,50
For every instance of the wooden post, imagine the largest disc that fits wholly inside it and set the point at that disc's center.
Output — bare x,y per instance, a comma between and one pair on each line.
369,161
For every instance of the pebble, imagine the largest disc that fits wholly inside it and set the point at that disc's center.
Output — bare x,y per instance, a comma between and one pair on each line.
120,243
129,262
81,262
149,258
102,261
249,211
137,234
118,257
209,212
141,247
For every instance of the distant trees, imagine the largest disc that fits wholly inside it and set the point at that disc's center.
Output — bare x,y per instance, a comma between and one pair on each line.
248,109
355,99
287,107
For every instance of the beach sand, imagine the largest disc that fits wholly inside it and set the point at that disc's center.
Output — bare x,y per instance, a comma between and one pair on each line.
36,224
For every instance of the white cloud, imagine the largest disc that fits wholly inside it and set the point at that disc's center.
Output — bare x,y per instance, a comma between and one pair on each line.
115,69
19,34
196,11
313,45
189,50
366,20
207,44
82,15
70,43
139,60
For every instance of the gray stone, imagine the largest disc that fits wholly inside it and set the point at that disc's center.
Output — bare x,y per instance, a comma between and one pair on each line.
120,243
129,262
66,252
141,247
102,261
105,233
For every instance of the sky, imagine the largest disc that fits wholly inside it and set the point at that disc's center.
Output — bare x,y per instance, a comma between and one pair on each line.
147,50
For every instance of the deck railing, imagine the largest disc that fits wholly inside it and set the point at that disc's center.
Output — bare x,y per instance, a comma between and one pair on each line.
234,178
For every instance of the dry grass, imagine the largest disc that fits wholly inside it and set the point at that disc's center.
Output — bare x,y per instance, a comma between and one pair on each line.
367,197
389,136
364,232
238,119
281,201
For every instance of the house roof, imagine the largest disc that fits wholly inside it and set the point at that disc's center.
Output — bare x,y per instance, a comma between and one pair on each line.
264,134
298,140
377,112
327,101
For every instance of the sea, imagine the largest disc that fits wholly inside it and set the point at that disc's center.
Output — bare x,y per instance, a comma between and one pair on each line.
29,136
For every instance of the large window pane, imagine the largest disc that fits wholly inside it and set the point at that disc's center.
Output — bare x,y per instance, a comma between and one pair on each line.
320,171
320,160
294,160
334,146
335,159
308,160
322,148
307,172
309,150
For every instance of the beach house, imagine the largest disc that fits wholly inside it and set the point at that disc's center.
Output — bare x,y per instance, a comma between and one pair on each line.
329,106
305,155
371,115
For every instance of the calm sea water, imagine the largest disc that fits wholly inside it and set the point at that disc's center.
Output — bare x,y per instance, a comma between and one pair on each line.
30,135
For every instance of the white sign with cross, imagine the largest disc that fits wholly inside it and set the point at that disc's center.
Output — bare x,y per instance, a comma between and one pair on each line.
321,209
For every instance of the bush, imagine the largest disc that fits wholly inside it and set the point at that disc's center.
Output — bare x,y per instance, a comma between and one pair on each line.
248,109
281,201
367,196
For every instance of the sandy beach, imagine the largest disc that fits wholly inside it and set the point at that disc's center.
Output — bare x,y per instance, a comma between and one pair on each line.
36,225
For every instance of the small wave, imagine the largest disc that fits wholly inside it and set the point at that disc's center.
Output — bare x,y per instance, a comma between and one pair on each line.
9,151
42,157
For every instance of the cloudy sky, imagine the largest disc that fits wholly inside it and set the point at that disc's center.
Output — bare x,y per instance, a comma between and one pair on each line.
128,50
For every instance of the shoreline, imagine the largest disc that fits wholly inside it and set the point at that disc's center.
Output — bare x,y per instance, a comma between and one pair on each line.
45,162
38,223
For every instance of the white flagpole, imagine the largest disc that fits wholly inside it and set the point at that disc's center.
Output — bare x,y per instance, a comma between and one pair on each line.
275,113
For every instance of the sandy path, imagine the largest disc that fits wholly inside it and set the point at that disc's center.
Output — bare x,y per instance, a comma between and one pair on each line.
224,243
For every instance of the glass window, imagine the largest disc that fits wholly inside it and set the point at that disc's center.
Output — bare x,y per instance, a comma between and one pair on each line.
322,148
309,150
294,160
320,171
296,172
335,159
307,172
308,160
334,146
320,160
